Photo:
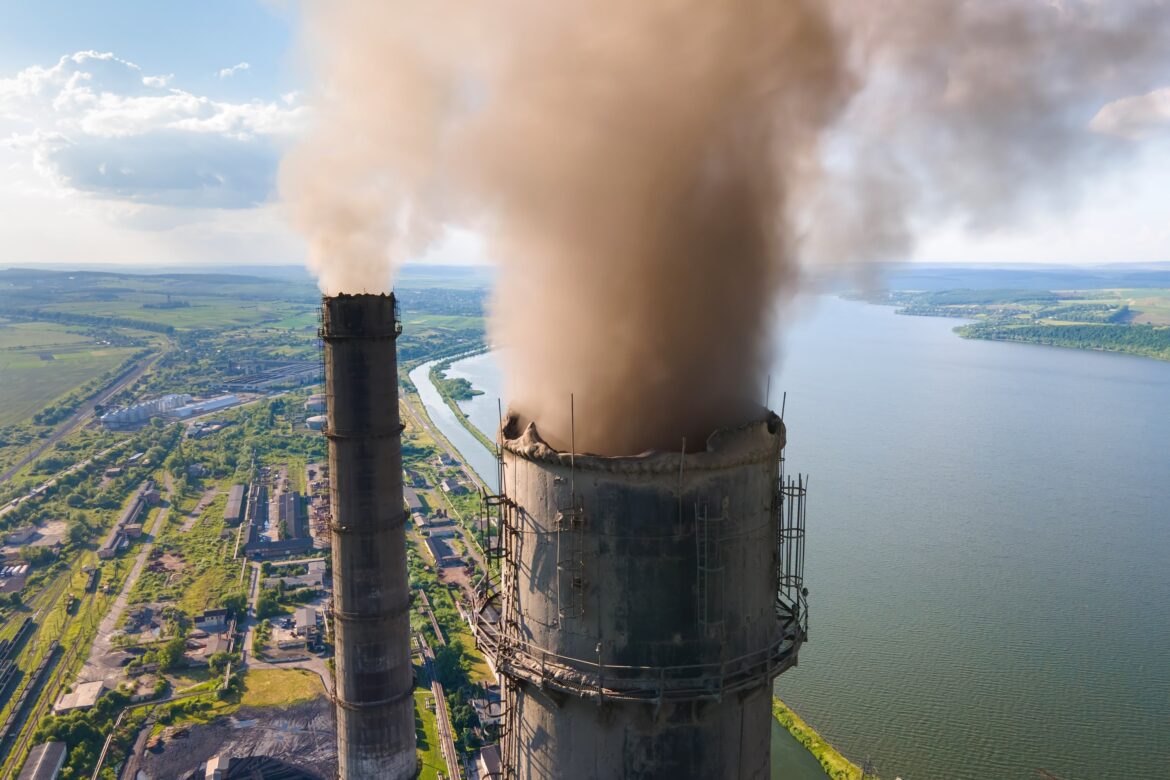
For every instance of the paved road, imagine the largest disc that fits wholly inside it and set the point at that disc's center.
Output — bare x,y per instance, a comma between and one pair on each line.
94,669
81,415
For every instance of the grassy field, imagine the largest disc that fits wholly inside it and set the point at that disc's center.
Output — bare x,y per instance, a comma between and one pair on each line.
279,687
208,571
430,754
1150,306
20,334
29,382
208,313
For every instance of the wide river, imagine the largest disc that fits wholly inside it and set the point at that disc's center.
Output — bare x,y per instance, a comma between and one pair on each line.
988,547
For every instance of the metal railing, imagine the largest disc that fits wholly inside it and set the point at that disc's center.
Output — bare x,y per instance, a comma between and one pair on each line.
595,679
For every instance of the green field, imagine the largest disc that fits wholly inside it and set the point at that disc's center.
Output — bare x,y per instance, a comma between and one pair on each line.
279,687
219,312
1149,306
30,380
430,754
23,335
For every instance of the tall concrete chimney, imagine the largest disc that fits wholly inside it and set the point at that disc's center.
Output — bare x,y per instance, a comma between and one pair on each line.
644,607
374,679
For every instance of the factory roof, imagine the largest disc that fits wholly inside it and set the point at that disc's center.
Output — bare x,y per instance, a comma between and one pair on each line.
44,761
439,550
233,512
306,617
20,535
84,696
488,762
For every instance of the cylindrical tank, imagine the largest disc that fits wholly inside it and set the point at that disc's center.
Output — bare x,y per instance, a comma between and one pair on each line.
639,631
374,679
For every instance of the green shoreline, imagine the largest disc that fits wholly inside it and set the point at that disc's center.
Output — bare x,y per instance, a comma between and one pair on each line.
438,371
836,766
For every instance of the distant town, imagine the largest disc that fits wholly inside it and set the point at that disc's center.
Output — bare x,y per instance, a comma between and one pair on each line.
166,533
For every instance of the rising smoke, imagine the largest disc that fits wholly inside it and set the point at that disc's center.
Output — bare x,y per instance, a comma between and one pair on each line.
653,176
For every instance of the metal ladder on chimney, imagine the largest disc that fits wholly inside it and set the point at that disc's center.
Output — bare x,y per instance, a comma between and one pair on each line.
709,564
571,561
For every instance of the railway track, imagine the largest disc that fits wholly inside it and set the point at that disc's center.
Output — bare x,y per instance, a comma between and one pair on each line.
49,679
9,647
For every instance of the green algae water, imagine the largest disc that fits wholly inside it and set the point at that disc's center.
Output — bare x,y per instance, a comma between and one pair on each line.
988,548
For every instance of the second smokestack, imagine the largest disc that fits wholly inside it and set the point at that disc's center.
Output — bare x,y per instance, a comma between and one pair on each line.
371,599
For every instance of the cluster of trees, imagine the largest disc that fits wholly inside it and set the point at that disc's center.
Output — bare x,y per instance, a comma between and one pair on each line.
456,388
73,318
989,297
261,636
1086,312
85,732
78,496
169,655
268,604
1148,340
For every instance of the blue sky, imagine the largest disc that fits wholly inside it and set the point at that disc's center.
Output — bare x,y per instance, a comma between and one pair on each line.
192,40
150,132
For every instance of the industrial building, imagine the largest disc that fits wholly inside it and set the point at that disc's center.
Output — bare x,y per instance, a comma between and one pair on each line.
139,413
261,547
413,502
204,407
21,535
278,376
292,515
371,598
646,605
82,697
44,762
133,514
306,621
233,512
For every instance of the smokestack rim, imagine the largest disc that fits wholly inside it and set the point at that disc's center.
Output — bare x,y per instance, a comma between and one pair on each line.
757,441
360,316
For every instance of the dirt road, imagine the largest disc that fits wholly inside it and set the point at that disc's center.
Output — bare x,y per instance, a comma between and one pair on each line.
94,668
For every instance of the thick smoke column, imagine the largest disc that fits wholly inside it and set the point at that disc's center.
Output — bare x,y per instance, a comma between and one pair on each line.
651,176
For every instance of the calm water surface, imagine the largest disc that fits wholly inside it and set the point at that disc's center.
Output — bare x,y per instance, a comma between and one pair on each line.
988,549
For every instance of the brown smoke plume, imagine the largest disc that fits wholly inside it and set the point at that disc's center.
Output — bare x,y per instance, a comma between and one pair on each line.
652,175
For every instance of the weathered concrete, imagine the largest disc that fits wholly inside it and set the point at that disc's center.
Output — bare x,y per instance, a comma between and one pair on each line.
640,634
375,710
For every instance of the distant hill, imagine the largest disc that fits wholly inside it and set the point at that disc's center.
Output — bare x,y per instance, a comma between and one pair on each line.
933,278
410,275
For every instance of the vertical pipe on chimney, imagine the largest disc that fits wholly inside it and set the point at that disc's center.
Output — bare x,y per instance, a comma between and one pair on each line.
374,679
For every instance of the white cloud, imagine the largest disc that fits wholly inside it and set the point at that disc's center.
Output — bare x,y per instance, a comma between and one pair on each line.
1135,117
227,73
94,123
